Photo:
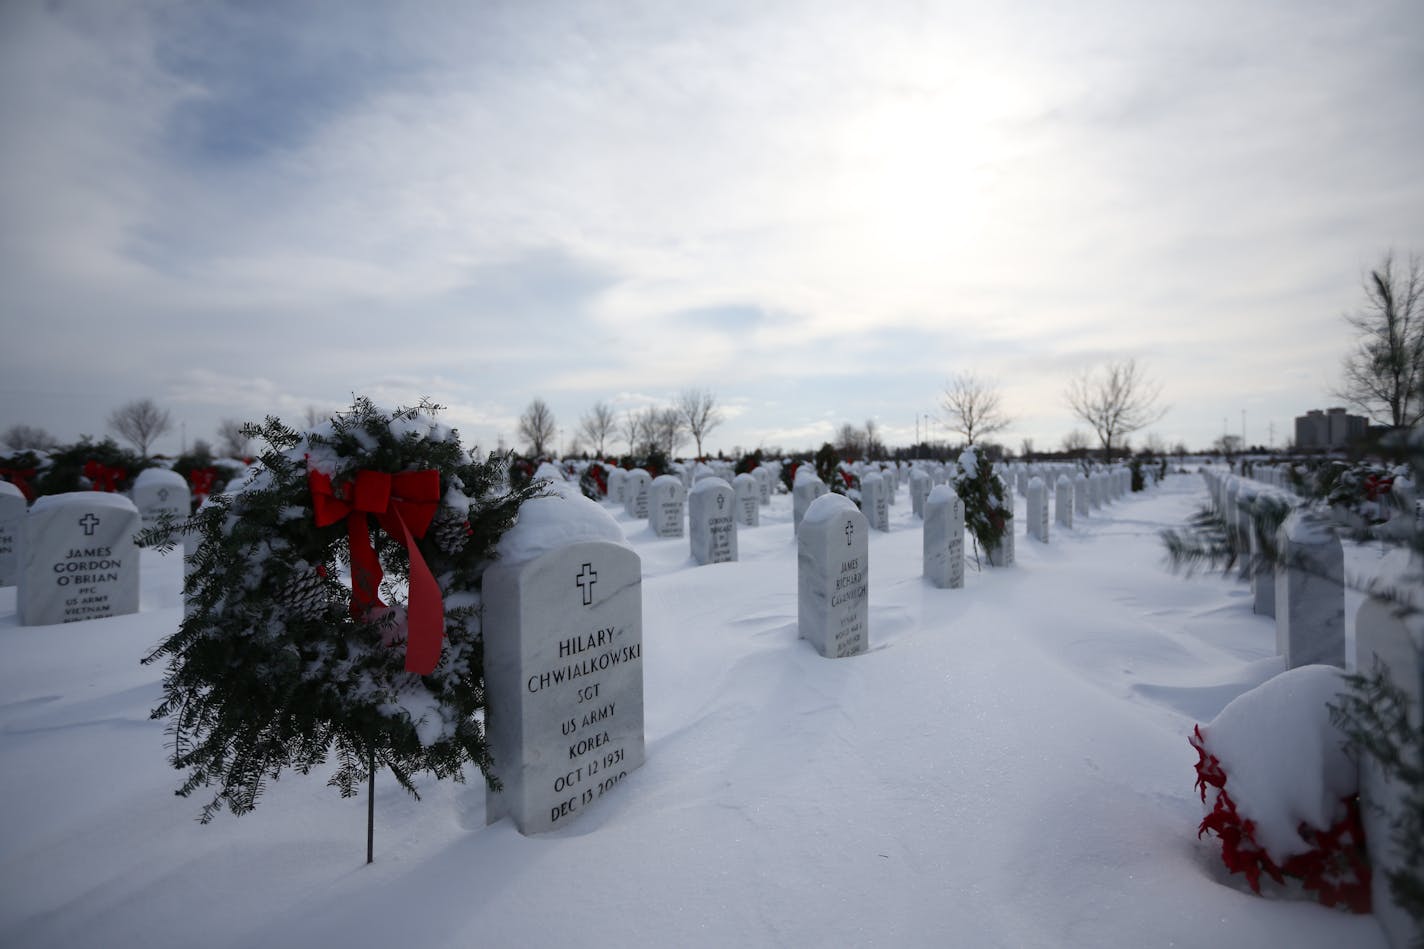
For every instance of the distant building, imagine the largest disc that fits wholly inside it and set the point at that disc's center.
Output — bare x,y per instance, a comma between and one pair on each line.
1332,428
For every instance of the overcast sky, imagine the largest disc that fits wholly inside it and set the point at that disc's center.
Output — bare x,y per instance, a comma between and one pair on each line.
820,211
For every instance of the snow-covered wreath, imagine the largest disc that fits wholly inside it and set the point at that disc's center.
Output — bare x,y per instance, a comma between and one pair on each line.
1292,805
333,607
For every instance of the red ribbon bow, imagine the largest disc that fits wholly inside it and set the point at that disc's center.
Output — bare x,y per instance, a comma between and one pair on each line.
404,505
201,480
102,477
20,478
1375,486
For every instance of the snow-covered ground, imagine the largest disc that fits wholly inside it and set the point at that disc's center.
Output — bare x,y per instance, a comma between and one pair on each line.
1007,766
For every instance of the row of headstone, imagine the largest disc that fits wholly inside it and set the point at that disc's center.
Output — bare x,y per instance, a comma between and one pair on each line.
73,556
1309,609
1305,589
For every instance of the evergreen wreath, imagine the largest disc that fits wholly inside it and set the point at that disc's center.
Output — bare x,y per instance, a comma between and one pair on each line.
986,513
278,663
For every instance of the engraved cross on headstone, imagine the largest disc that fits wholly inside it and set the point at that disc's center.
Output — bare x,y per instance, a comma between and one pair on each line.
721,500
89,522
585,580
850,532
163,494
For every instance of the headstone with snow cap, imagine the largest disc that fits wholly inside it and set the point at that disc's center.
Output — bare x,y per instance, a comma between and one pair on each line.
806,489
944,538
159,492
763,479
563,655
1384,642
1002,553
666,499
617,479
873,502
12,522
712,526
1037,509
78,560
635,493
748,500
1063,502
919,490
1310,595
833,577
1081,492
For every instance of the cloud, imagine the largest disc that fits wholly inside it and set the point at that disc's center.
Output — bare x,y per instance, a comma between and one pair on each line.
810,209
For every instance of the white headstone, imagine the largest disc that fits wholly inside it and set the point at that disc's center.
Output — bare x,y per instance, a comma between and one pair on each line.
806,489
1081,491
563,653
1063,502
617,478
78,560
944,537
763,477
833,577
1385,642
920,485
712,527
12,521
1002,553
748,490
666,499
635,493
158,492
1038,510
1310,595
873,501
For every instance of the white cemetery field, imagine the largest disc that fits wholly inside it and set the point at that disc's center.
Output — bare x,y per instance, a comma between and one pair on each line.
1000,758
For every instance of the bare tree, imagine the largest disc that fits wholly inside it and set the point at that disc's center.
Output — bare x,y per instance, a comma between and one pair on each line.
633,430
668,428
314,416
699,413
1026,449
1075,441
1116,402
874,447
597,425
28,438
850,441
232,440
536,427
973,407
1384,372
140,422
1227,445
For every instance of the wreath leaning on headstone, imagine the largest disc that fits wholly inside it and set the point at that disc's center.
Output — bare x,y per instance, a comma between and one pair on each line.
279,663
986,508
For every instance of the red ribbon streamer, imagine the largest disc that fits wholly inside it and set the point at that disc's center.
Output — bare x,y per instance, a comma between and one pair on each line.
102,477
1375,486
404,505
201,480
20,478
